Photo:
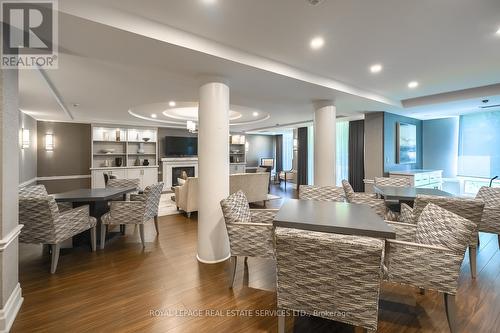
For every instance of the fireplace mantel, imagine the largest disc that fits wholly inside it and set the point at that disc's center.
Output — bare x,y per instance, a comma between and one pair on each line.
175,162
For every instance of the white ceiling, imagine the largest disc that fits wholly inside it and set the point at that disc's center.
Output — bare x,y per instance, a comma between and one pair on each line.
118,54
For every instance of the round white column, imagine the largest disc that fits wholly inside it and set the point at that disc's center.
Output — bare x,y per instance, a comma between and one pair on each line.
213,171
324,144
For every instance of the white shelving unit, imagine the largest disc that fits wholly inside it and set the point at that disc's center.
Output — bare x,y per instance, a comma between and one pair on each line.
237,154
121,151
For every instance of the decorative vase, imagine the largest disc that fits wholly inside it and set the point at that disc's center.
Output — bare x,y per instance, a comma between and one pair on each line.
137,161
117,135
141,148
145,162
118,161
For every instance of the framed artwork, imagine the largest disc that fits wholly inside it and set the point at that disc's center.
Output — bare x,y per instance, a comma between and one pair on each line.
406,143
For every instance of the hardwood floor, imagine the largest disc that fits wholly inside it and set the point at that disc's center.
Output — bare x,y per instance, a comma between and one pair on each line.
163,288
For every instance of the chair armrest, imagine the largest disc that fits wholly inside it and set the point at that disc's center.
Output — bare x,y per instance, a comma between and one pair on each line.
137,197
263,215
404,231
251,239
422,266
72,222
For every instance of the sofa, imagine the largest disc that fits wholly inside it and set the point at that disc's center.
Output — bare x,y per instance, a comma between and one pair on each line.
254,185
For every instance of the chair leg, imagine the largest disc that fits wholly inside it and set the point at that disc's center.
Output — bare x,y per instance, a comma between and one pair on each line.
472,260
93,238
188,215
103,235
141,234
123,228
233,273
55,257
46,249
422,291
451,312
156,225
281,324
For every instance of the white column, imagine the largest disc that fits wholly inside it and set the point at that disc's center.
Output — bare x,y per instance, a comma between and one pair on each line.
10,290
324,144
213,171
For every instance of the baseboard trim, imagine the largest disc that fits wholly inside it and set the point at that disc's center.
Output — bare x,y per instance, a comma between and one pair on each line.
9,312
212,261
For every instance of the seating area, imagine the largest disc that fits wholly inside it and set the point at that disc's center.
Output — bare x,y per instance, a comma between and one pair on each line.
250,166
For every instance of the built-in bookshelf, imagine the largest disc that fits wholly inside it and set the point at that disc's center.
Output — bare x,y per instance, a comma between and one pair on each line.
237,154
115,147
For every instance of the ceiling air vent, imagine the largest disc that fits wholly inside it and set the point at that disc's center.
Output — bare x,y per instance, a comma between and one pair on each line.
314,2
490,106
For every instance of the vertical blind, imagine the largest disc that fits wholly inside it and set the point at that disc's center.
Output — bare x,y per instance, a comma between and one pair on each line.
479,145
342,158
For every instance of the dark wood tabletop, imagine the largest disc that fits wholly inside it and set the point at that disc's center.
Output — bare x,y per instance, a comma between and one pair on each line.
333,217
407,193
92,194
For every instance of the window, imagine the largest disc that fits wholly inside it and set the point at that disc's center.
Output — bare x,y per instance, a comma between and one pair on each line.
479,145
342,158
287,150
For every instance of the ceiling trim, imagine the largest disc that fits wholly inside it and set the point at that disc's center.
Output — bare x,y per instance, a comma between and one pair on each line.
151,29
55,93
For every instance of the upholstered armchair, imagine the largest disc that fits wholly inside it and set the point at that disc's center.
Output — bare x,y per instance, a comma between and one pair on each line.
470,209
123,182
186,196
140,209
250,231
288,176
340,282
40,190
350,194
393,181
428,254
321,193
45,224
490,221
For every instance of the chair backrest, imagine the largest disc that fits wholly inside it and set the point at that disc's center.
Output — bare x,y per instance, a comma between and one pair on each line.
235,208
321,193
393,181
340,282
254,185
490,196
33,190
117,183
38,214
470,209
349,191
107,177
153,195
378,205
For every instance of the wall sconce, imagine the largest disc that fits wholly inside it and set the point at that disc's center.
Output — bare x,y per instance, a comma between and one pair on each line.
295,144
49,142
26,138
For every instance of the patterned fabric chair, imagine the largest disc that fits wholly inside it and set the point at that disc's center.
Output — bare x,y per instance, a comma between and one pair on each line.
393,181
340,282
491,216
37,190
122,182
428,254
250,231
140,209
470,209
350,194
321,193
378,205
45,224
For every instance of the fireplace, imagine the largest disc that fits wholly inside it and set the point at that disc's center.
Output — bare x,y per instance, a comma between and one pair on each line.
178,171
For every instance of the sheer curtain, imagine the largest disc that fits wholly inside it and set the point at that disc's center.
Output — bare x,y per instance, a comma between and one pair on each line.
310,155
342,143
287,150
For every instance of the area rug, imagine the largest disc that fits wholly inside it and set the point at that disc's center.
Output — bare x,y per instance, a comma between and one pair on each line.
167,206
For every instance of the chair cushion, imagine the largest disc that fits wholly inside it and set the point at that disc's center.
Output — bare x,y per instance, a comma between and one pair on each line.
235,208
437,226
349,191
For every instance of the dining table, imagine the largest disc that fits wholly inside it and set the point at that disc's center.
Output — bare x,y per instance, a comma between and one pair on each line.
97,199
407,193
333,217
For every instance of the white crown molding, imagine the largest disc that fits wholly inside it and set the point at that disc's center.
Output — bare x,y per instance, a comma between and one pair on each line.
9,312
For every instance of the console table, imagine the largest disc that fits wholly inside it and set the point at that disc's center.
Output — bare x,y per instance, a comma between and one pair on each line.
421,177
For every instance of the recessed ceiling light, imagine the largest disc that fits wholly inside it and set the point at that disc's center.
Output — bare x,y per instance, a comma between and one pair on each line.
317,43
255,114
209,2
413,84
75,105
172,103
153,115
377,68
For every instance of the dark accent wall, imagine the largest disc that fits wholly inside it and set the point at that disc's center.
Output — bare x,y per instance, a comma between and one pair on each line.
390,143
374,146
259,146
70,157
27,156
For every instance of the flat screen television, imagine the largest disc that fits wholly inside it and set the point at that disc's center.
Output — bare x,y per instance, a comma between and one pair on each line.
178,146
